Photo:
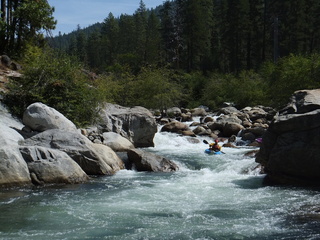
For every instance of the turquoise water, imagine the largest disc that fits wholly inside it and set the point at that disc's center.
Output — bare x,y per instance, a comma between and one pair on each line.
210,197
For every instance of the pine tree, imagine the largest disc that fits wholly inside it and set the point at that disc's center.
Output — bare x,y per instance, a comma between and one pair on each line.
110,33
153,39
94,51
140,36
81,43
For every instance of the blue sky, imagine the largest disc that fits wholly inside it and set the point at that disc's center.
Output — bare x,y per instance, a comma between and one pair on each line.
70,13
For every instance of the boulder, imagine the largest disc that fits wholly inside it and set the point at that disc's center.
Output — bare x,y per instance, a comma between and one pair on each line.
202,131
94,159
137,124
188,133
175,127
186,117
228,110
52,166
208,119
13,169
230,129
39,117
147,161
116,142
290,150
173,112
256,113
199,112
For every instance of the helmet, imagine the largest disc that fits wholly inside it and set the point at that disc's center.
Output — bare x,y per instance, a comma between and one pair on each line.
216,141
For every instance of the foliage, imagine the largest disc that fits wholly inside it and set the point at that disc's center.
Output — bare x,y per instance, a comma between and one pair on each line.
247,88
210,36
55,80
292,73
24,20
153,89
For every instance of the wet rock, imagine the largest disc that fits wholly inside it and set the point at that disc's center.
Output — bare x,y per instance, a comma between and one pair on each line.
137,124
201,131
146,161
48,166
175,127
230,129
188,133
186,117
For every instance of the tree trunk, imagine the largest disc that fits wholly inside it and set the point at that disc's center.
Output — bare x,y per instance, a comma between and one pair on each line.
3,10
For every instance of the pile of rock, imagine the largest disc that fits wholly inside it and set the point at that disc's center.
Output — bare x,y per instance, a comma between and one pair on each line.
48,149
249,123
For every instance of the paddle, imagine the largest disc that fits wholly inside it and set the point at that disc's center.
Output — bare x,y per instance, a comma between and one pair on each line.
206,142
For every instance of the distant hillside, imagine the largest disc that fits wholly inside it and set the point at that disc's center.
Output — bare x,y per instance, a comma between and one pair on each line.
63,41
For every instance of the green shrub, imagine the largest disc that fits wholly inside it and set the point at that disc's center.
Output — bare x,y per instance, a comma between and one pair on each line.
292,73
55,80
154,89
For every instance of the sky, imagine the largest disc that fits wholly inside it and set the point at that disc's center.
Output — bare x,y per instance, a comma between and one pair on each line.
71,13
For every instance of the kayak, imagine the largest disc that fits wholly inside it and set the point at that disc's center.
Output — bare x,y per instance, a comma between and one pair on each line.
210,152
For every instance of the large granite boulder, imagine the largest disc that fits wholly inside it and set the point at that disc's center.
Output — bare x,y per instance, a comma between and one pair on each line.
116,142
52,166
137,124
13,169
290,151
39,117
147,161
94,159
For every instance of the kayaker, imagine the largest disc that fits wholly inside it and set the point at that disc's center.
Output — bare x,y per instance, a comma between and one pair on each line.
215,146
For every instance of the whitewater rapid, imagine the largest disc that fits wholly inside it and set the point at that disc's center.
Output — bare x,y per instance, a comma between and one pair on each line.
210,197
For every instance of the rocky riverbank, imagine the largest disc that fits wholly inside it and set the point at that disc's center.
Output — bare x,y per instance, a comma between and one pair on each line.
47,148
290,151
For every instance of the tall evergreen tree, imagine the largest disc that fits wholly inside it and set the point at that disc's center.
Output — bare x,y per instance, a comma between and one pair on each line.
153,39
110,33
81,43
94,51
24,22
140,36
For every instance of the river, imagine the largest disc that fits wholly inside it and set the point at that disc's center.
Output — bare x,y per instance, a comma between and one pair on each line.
210,197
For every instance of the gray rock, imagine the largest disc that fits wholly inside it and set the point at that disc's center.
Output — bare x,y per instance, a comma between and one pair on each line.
136,124
13,169
116,142
52,166
198,112
39,117
175,127
230,129
94,159
174,112
146,161
290,150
